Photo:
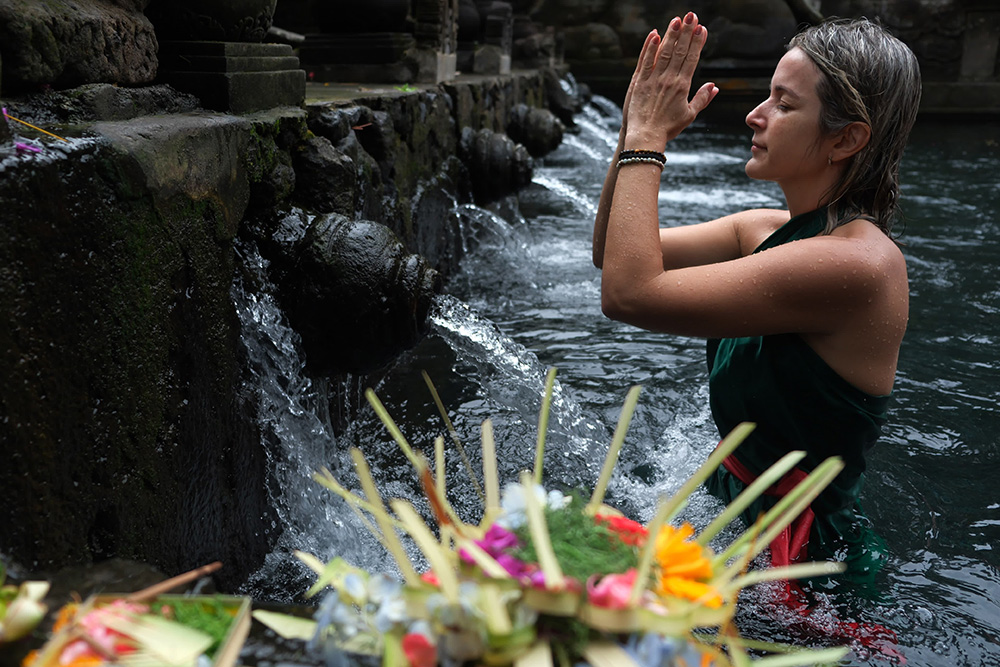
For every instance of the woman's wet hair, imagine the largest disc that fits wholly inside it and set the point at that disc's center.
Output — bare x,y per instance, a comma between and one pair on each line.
868,76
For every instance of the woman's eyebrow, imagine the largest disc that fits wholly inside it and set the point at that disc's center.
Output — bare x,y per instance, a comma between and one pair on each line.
785,90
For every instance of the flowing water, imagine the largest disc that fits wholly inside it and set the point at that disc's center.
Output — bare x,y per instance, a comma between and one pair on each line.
527,299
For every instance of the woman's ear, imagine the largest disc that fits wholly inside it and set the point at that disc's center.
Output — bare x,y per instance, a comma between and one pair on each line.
852,139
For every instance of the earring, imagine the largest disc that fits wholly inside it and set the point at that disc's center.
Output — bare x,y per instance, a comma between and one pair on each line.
829,159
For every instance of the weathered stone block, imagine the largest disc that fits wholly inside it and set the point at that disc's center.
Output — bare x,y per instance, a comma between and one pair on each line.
490,59
124,430
328,177
104,101
67,44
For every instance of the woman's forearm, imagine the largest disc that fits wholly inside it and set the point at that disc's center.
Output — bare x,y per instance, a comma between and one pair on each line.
604,206
632,255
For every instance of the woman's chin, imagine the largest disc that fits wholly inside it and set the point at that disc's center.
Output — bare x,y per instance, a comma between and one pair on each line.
753,170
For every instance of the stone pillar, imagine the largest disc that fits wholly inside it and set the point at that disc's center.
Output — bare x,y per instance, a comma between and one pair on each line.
366,42
469,33
436,32
212,49
498,34
980,44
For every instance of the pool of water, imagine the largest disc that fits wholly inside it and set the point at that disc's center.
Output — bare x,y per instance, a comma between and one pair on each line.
527,299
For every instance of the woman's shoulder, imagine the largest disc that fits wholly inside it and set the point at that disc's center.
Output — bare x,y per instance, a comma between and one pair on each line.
878,246
754,226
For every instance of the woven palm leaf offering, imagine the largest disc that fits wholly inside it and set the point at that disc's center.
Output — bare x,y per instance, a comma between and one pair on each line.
546,579
148,628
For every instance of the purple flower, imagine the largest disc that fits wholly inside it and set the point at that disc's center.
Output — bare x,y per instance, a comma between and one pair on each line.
515,568
496,542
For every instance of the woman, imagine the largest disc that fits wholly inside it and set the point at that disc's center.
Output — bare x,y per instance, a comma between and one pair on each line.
804,308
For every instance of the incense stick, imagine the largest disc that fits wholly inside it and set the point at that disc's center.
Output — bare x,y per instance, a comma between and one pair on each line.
173,582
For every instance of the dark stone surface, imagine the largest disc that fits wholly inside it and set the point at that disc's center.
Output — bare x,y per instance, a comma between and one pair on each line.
753,29
328,178
125,427
497,165
592,41
490,59
564,100
101,101
68,44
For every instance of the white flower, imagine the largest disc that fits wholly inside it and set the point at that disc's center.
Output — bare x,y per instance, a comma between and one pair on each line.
557,500
352,589
512,503
387,593
382,587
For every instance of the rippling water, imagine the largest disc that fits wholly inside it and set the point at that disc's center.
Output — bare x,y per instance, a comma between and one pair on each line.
528,299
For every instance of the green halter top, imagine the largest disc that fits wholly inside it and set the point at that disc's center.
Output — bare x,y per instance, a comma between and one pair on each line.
794,397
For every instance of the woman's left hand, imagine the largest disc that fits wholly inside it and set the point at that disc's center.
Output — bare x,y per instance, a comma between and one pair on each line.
658,108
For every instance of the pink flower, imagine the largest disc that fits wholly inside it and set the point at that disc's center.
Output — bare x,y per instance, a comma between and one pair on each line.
611,591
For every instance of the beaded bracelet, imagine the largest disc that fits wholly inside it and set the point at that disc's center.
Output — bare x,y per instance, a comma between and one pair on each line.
638,160
656,155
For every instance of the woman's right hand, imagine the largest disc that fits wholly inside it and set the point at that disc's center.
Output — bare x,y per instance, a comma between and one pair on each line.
657,104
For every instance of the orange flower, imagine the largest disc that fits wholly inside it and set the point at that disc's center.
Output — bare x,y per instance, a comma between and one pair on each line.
684,567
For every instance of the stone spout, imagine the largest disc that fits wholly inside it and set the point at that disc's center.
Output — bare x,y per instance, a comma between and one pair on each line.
497,165
357,297
538,129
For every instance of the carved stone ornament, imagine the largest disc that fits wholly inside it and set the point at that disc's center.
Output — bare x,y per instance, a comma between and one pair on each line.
213,20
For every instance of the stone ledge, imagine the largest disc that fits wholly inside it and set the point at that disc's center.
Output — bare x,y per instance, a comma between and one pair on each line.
973,98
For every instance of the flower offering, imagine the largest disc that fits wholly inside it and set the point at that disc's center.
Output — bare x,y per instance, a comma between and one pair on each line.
545,578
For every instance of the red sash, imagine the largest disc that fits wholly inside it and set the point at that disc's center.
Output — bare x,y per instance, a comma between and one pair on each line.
790,546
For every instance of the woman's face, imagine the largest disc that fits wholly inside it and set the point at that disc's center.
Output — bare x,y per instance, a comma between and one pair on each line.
788,147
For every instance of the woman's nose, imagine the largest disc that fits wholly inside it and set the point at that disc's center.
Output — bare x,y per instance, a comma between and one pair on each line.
755,118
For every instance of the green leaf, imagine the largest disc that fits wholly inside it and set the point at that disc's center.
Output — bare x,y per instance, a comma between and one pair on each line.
616,444
543,424
288,627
